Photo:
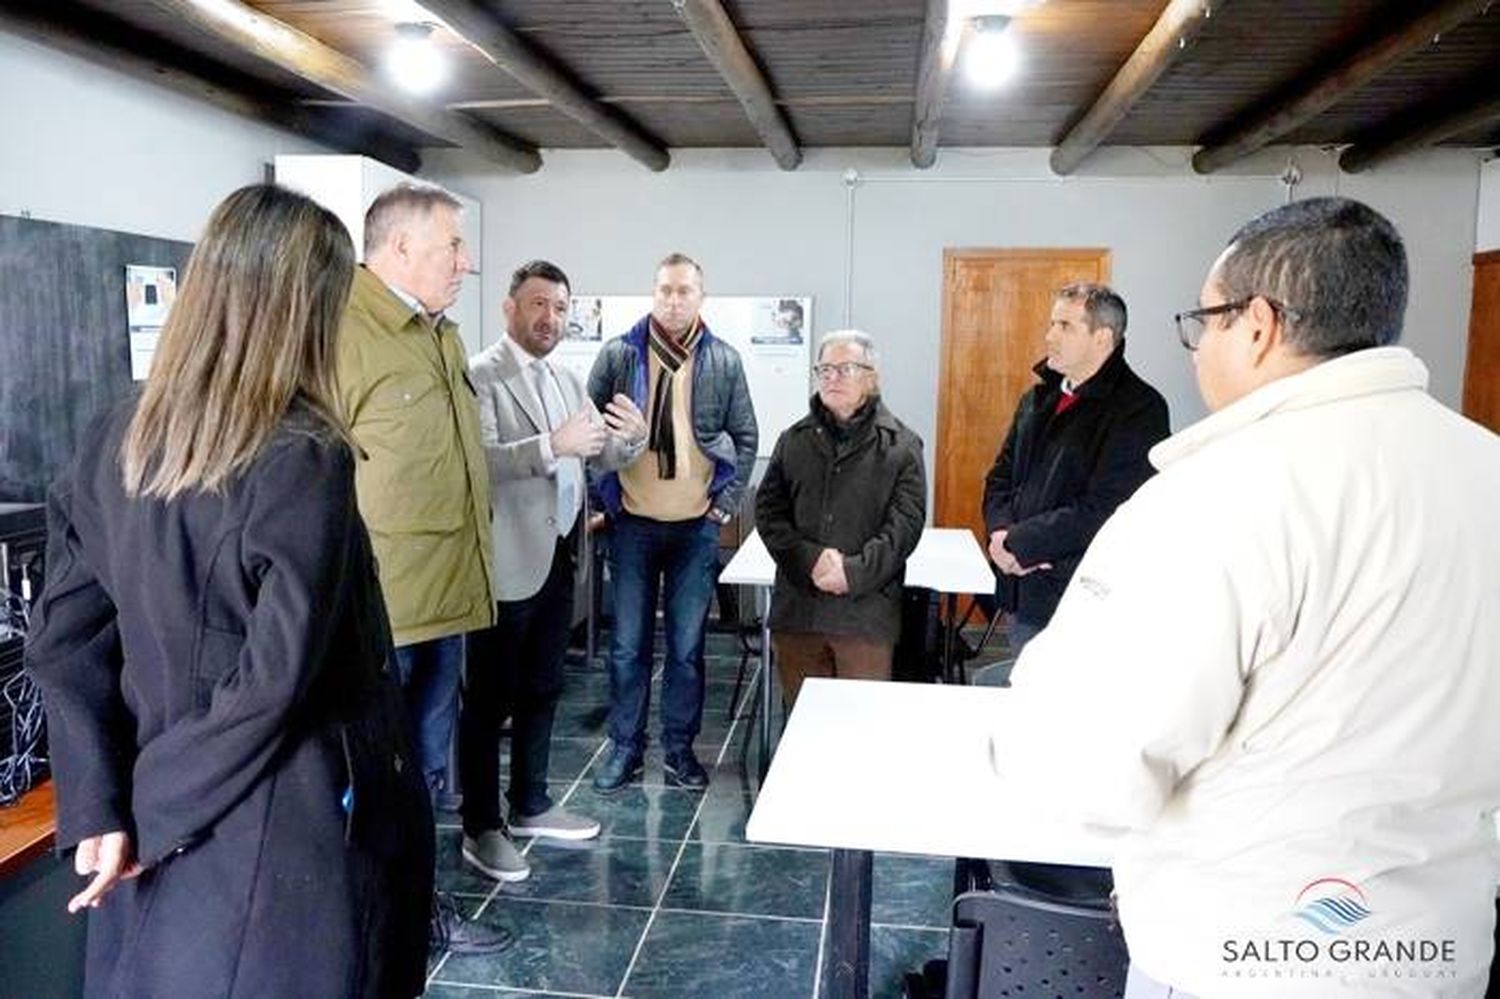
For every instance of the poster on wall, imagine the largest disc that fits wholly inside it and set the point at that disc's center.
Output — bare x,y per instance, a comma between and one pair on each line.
149,294
772,334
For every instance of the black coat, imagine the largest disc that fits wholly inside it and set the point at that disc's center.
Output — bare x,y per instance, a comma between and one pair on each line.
864,495
215,671
1058,478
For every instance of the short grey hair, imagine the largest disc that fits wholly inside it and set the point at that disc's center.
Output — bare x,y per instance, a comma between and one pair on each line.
1102,306
1334,268
402,205
859,337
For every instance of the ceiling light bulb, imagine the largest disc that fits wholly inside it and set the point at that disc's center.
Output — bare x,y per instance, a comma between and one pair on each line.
413,60
991,56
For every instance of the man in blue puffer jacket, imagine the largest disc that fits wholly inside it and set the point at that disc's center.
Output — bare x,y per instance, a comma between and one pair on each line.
667,507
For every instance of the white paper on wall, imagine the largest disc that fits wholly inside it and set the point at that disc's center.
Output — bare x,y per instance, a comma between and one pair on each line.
149,294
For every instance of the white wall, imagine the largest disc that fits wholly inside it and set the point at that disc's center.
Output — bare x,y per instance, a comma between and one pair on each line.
94,147
759,230
91,146
1488,235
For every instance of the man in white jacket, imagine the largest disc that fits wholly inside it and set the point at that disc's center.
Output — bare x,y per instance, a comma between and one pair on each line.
1279,663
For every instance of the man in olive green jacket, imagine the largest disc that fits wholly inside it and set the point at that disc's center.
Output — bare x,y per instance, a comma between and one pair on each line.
423,487
422,483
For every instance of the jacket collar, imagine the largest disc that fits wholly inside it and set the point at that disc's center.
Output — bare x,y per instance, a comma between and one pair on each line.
1373,371
387,308
513,365
1102,382
873,415
638,334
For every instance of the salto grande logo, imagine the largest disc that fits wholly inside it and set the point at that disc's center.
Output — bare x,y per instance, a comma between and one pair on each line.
1335,943
1332,905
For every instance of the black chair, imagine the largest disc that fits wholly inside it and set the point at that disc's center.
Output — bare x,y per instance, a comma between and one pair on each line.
1011,942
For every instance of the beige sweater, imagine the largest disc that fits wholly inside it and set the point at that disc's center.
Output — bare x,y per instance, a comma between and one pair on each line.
643,491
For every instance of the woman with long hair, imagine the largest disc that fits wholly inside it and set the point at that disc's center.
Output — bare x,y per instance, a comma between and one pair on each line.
227,739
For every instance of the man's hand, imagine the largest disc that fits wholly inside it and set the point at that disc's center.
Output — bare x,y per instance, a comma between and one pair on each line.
624,419
578,437
1007,562
998,554
110,858
828,573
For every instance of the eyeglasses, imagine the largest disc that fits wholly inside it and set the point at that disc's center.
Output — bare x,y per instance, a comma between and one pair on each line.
1192,324
844,371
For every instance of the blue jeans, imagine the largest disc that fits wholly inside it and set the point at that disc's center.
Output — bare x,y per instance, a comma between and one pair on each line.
679,560
429,673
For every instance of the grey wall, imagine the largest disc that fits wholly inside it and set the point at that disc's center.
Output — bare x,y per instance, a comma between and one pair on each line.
1488,235
759,230
94,147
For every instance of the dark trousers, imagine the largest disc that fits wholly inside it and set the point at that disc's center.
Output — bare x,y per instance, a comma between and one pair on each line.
515,669
1021,634
678,560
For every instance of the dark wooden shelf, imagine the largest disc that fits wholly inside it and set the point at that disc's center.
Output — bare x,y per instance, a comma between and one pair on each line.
27,829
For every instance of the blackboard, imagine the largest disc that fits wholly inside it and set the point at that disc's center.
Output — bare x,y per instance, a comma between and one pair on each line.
64,347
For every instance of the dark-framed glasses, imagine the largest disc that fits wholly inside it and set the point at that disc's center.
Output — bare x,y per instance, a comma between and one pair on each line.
844,371
1192,324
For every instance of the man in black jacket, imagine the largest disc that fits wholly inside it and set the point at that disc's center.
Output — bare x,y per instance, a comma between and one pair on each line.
1076,449
841,506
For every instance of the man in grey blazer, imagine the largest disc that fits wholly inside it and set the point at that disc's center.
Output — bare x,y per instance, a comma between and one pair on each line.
538,428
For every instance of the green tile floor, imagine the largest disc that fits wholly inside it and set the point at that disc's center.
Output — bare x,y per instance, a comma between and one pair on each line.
670,902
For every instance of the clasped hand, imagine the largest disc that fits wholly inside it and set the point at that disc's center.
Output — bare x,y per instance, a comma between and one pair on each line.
584,434
1006,562
828,572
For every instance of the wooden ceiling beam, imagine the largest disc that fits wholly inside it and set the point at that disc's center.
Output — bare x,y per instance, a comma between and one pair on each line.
503,47
1350,73
934,70
1422,128
122,51
810,101
721,42
1179,21
235,23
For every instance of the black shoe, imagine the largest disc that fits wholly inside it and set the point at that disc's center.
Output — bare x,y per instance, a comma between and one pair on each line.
451,931
623,766
683,770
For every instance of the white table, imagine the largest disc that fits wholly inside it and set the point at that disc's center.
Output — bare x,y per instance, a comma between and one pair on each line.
946,559
903,768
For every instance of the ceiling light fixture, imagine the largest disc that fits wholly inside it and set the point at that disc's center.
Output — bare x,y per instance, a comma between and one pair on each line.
413,60
991,56
965,9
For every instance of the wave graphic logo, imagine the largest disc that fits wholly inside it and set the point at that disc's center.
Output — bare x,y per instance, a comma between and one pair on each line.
1332,905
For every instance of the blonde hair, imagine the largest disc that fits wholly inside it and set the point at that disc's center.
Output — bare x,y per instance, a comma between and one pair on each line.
254,328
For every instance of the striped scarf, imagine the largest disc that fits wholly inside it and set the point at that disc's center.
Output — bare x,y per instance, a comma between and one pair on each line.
672,354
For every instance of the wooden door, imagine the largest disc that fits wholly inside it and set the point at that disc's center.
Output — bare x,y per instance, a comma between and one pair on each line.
1482,368
996,304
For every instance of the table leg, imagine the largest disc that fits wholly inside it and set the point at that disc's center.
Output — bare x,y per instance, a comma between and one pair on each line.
849,925
766,693
590,582
950,611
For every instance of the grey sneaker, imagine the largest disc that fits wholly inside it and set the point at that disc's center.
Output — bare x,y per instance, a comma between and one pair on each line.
556,823
494,854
